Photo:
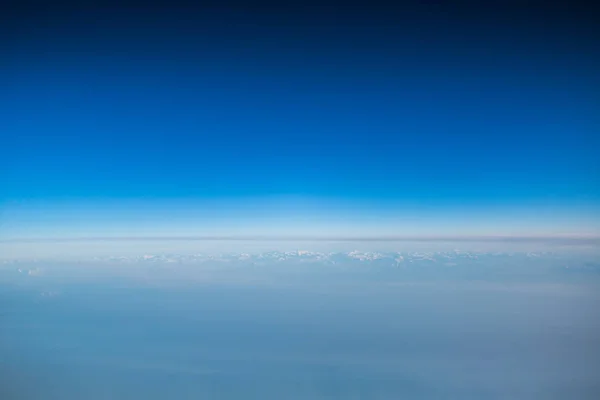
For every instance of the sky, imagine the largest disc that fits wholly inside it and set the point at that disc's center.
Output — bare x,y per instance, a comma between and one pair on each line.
202,200
298,120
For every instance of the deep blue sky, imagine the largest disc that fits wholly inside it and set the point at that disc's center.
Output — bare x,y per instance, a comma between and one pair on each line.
442,108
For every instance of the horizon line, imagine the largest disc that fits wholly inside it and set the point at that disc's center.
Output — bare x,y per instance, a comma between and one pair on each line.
473,238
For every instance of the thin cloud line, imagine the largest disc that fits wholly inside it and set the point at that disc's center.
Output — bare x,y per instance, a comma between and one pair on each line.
548,239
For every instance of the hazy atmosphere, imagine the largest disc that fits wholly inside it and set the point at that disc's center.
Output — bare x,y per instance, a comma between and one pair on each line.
414,320
299,200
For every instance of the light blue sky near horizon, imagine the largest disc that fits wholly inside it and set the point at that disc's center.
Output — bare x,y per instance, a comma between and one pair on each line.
290,216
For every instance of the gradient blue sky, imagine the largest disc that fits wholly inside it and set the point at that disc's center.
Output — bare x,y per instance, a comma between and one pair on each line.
421,122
